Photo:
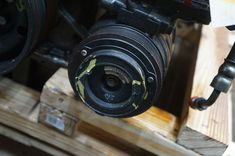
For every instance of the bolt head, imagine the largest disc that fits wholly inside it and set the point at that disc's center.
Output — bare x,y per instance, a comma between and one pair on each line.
150,79
84,52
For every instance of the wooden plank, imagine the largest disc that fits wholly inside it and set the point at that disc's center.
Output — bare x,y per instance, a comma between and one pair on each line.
81,145
112,140
154,130
61,119
19,112
231,147
206,132
28,141
16,98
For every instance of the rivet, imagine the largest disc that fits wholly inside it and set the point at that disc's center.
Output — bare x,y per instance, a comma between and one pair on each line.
84,52
150,79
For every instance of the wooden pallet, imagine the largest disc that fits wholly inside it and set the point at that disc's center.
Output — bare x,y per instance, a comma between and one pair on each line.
158,131
155,130
19,109
67,127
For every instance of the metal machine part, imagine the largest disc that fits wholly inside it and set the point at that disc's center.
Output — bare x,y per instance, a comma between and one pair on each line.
190,10
21,24
159,16
118,70
120,54
221,83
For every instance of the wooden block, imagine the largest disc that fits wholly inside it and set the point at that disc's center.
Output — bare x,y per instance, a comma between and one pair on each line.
19,110
60,121
154,130
17,99
207,132
80,145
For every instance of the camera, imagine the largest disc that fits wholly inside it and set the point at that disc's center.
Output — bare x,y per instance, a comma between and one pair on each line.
118,50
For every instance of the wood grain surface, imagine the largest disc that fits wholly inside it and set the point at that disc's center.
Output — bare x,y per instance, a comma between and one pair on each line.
207,132
155,130
19,111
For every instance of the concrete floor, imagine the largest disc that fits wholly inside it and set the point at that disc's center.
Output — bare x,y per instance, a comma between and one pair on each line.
11,148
